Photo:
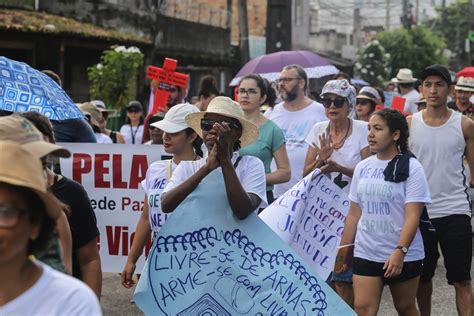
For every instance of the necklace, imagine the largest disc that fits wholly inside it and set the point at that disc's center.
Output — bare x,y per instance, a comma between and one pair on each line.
339,144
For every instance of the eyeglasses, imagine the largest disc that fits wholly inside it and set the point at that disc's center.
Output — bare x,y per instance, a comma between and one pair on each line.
207,124
286,79
9,216
248,92
338,102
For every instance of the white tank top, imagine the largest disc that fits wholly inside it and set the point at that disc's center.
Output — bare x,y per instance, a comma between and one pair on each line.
440,151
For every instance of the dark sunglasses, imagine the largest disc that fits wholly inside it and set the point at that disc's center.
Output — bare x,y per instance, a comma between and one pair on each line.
133,111
338,102
207,124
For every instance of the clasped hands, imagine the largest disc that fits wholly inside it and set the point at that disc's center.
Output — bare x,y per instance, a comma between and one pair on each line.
222,149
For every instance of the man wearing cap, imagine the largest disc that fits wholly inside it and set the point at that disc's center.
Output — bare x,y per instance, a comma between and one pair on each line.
464,90
440,137
296,115
115,136
241,179
94,117
405,83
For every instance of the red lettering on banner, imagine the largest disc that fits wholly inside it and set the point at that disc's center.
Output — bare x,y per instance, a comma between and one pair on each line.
113,241
81,164
138,170
118,183
100,170
118,238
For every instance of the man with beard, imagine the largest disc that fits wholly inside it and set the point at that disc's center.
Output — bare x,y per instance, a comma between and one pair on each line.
295,115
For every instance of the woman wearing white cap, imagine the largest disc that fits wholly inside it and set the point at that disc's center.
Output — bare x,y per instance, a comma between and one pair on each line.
224,130
27,218
184,144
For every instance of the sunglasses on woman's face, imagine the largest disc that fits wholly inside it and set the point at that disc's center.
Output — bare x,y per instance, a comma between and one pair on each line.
338,102
207,124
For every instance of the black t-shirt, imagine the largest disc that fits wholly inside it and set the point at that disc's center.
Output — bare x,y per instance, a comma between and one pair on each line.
82,218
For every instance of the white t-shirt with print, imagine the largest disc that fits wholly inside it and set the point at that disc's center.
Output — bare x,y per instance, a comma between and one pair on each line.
54,293
103,139
383,209
126,130
295,126
411,97
349,154
249,170
153,185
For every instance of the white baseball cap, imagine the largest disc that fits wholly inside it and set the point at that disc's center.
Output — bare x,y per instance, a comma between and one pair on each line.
174,120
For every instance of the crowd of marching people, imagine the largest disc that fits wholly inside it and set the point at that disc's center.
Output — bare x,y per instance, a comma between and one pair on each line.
406,173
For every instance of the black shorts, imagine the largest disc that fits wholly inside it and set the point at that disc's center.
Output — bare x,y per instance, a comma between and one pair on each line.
454,236
369,268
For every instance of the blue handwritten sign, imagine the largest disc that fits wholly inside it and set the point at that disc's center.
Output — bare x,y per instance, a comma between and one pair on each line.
310,219
205,261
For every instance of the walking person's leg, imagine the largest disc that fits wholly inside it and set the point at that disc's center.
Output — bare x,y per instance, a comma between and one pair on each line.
404,296
367,294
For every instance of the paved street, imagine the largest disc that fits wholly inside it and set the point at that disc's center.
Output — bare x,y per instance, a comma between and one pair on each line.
116,299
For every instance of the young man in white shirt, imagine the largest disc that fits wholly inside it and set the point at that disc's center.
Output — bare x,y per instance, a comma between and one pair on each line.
450,211
296,115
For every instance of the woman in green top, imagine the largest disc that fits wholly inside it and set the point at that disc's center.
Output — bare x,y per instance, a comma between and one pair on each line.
252,93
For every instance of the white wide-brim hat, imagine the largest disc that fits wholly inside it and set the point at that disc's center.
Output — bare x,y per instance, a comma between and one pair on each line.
227,107
404,75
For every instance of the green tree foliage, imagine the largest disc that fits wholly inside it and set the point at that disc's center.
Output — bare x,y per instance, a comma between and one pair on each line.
452,23
373,64
114,79
414,48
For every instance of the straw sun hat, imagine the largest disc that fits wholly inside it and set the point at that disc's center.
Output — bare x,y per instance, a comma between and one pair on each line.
404,75
226,107
20,167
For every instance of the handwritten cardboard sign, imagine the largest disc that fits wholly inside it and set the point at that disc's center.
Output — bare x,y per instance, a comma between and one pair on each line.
111,175
205,261
310,219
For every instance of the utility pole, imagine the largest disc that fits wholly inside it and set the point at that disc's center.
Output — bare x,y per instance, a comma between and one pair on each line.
387,15
229,14
471,28
357,26
243,31
417,12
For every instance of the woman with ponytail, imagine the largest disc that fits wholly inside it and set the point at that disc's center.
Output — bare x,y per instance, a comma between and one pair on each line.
387,194
184,144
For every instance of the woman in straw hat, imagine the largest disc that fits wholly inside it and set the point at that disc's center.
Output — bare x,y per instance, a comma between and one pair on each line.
224,130
184,144
366,101
27,219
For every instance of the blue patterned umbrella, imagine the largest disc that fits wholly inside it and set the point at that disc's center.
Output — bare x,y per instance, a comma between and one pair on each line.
23,88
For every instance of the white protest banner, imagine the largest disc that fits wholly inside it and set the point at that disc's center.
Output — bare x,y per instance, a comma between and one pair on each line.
310,218
111,175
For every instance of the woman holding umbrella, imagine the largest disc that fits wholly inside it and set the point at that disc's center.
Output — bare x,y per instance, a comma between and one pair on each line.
270,144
